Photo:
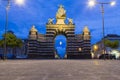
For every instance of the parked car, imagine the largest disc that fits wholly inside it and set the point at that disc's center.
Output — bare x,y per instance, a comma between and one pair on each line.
107,56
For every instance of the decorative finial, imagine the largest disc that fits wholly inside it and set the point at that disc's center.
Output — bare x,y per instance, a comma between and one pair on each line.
33,26
86,29
70,20
33,29
50,20
61,6
61,13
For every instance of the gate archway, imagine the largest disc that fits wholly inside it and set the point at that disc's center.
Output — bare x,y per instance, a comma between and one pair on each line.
42,46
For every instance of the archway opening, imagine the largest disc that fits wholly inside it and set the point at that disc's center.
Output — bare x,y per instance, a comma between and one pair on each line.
60,44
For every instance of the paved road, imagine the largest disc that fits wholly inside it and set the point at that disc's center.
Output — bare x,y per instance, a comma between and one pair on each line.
60,70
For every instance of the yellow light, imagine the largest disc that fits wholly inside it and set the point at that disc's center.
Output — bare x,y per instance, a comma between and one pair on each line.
112,3
19,2
92,55
95,47
91,3
80,49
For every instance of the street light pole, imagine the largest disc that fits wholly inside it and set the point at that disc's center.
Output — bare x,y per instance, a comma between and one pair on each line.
103,28
18,2
103,23
92,3
6,27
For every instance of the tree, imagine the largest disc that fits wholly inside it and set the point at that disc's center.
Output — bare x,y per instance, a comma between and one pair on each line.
11,41
112,44
107,43
1,42
115,44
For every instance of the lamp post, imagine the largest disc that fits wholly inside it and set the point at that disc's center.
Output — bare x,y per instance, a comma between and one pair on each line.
18,2
6,26
92,3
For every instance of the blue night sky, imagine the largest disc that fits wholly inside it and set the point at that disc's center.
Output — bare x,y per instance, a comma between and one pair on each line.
37,12
60,47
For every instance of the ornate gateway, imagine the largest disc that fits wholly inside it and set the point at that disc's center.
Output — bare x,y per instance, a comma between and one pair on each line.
42,46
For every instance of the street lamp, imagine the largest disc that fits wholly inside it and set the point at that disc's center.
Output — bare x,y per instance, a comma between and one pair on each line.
6,25
92,3
19,2
95,47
